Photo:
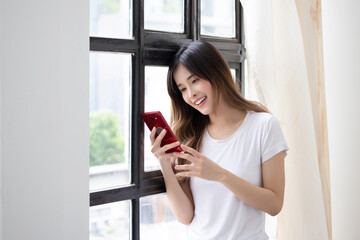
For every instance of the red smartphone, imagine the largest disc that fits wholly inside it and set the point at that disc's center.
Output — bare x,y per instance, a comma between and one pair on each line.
156,119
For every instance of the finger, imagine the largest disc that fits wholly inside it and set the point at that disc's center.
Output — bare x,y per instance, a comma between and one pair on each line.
185,156
185,167
170,146
185,174
191,151
160,137
152,135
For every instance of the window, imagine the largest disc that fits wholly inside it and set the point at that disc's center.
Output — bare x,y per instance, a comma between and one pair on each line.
131,43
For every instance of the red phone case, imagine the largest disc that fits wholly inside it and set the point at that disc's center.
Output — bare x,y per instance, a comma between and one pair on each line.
156,119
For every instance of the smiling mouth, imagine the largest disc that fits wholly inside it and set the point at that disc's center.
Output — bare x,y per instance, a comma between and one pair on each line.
198,102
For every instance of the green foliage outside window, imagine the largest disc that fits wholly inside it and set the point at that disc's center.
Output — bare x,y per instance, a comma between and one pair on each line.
106,140
110,6
172,6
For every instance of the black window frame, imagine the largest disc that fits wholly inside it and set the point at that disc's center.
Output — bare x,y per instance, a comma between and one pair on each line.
155,48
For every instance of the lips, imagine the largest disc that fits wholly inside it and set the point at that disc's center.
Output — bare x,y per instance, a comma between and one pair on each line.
199,101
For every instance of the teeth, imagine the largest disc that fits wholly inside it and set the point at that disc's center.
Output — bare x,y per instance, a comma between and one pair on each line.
200,100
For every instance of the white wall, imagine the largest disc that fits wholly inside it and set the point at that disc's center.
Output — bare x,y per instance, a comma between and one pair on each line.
341,36
1,238
44,119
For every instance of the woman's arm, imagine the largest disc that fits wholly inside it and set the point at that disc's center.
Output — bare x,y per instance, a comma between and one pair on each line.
179,195
268,198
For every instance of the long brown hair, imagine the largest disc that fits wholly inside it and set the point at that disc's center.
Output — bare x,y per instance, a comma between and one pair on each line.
206,62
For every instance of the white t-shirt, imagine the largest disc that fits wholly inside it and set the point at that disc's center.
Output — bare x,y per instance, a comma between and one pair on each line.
219,214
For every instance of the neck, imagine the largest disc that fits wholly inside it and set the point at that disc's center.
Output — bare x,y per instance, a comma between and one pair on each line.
225,115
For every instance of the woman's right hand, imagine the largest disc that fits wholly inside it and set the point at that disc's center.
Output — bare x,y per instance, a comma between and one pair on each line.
165,159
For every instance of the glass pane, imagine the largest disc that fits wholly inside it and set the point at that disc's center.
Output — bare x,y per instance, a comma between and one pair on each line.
109,119
111,18
164,15
156,99
110,221
233,73
157,220
218,18
246,79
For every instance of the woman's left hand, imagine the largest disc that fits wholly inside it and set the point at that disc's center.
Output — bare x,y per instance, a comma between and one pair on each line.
200,165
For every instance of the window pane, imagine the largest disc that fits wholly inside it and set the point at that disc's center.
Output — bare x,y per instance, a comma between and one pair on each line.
233,73
218,18
157,220
111,18
164,15
246,79
156,99
110,221
109,119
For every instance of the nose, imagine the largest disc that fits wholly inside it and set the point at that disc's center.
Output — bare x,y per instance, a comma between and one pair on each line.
191,92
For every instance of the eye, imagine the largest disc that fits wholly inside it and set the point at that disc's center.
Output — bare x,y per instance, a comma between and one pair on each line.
195,80
182,89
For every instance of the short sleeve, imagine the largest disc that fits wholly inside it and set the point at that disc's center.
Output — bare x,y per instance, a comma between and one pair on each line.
273,140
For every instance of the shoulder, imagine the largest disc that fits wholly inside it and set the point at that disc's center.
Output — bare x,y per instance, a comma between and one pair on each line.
261,118
263,123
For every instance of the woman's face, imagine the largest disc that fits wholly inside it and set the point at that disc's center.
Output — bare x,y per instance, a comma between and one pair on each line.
196,92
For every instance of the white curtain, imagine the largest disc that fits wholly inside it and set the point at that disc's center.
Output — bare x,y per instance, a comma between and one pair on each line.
285,73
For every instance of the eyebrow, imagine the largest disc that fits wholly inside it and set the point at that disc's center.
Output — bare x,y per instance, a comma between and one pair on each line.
188,78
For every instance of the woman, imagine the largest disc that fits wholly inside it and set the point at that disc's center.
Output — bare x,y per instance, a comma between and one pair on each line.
232,169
